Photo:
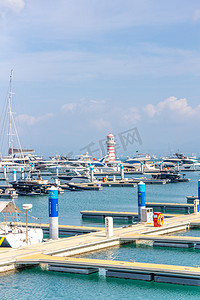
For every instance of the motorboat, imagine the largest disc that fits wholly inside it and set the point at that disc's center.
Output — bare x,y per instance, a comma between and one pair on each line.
31,186
75,176
181,163
170,176
188,164
138,158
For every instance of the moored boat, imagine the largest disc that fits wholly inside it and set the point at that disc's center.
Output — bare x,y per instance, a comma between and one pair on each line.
12,233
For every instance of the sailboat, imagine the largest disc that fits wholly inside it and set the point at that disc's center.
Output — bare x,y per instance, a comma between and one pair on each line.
16,156
12,233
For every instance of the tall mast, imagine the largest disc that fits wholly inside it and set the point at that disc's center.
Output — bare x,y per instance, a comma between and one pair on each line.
10,133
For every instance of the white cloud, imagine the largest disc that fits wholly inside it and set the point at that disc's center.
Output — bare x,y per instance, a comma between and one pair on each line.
196,16
172,107
133,115
68,107
78,66
100,124
97,101
150,110
31,120
85,106
78,17
15,6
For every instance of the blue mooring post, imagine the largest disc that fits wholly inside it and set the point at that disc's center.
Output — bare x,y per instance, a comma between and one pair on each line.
14,175
141,198
91,173
196,206
22,172
199,189
122,171
53,213
4,171
142,167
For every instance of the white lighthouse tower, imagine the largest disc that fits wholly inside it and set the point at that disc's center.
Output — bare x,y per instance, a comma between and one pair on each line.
110,147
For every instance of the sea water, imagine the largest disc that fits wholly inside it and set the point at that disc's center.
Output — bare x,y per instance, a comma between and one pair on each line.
38,283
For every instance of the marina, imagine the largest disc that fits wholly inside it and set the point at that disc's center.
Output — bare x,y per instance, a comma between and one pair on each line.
64,246
63,252
99,150
55,253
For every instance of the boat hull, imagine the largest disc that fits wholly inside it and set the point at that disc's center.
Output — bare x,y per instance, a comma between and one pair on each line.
17,238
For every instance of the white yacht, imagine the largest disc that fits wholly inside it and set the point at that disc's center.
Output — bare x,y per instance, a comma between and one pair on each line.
181,163
75,176
188,164
12,233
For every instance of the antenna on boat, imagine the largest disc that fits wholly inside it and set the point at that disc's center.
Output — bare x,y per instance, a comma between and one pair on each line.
10,134
12,127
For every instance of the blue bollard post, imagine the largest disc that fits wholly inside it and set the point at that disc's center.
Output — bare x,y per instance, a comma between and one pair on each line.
22,172
141,198
196,206
4,171
122,171
53,213
91,174
199,189
14,175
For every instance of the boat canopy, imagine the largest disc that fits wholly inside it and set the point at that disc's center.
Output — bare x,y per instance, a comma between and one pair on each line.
16,150
9,207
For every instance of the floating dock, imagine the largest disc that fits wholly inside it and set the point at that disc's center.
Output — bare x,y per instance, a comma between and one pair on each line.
130,182
124,215
165,241
190,199
181,207
118,269
118,183
81,186
165,207
57,253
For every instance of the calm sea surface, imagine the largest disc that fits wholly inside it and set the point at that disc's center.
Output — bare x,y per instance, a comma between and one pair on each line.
42,284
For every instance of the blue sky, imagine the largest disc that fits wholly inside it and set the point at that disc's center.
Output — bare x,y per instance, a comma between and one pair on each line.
85,68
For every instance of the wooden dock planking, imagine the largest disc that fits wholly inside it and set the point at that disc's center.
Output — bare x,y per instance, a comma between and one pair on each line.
55,249
120,269
182,207
118,183
115,214
178,238
186,207
100,263
165,241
